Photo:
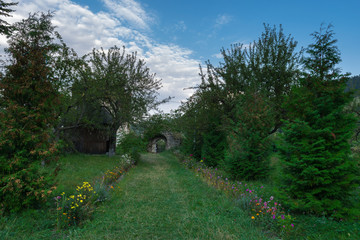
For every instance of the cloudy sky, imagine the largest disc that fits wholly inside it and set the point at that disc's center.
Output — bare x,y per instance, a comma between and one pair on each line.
175,36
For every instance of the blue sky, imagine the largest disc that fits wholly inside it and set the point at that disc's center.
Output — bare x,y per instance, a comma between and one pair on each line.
175,36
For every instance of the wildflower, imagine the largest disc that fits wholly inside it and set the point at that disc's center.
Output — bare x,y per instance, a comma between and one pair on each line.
64,213
282,217
252,217
274,216
292,225
271,198
283,226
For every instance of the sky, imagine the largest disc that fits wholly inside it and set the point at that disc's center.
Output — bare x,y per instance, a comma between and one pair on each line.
175,37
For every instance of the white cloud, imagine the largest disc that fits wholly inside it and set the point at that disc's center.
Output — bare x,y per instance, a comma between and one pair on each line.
130,11
217,55
83,30
222,20
176,69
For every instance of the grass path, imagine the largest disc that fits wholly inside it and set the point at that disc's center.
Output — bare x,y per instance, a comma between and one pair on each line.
159,199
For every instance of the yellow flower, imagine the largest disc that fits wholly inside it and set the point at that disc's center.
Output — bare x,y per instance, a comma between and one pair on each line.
64,213
257,214
252,217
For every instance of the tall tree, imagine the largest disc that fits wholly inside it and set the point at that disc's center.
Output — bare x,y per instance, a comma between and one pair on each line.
123,85
265,71
28,113
319,173
5,11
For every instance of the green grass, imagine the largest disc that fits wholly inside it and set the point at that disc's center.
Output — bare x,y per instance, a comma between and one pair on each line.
159,199
40,224
79,168
307,226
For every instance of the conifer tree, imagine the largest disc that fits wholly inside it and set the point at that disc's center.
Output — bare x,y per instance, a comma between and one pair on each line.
318,170
28,114
5,11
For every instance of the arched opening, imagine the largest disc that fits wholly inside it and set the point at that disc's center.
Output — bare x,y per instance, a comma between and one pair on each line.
158,144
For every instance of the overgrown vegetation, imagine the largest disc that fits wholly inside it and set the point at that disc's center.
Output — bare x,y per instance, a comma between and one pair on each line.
270,89
29,101
265,98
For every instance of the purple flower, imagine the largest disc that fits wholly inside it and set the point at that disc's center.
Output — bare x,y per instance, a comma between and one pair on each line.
271,198
282,217
283,226
274,216
292,225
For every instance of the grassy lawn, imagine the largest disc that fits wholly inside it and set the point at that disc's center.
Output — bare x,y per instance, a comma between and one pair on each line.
79,168
40,224
159,199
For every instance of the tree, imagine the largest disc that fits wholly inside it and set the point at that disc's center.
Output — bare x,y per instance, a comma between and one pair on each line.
269,66
29,112
5,11
122,85
319,173
266,71
247,157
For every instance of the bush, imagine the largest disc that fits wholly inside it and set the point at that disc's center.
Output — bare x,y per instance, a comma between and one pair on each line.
248,153
213,148
132,144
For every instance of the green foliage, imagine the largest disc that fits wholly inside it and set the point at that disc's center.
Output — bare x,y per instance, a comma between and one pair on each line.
5,11
155,125
319,173
248,155
213,147
269,67
133,145
29,110
123,85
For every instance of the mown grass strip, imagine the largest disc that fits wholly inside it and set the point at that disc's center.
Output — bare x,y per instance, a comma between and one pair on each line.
160,199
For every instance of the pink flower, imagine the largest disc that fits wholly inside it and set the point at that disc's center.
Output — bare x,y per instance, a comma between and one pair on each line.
271,198
292,225
283,226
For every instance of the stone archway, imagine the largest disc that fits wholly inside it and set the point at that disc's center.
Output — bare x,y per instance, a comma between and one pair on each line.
170,139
